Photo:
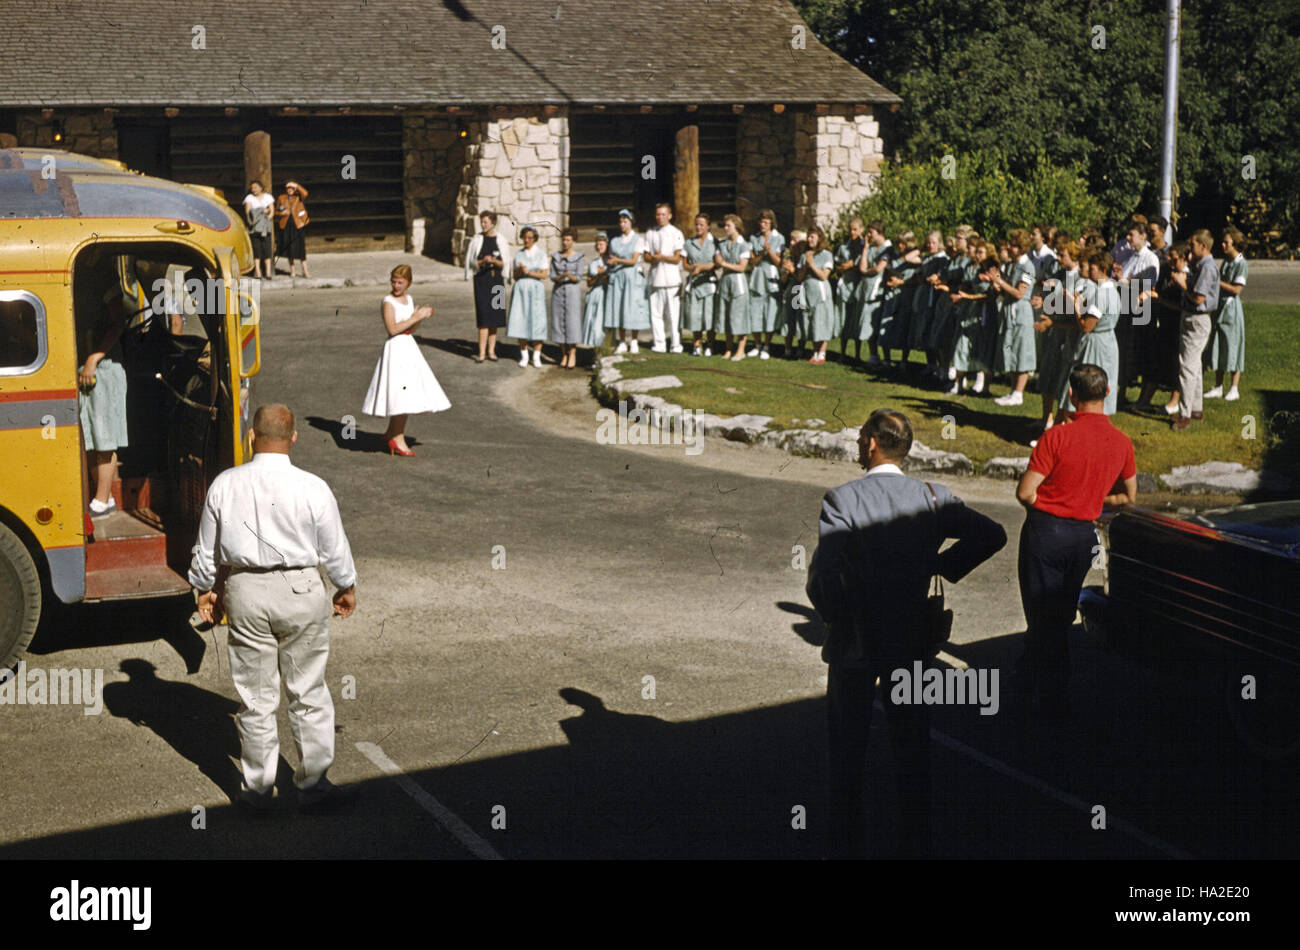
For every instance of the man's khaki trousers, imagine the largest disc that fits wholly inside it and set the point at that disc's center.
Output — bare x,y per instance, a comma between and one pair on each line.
279,629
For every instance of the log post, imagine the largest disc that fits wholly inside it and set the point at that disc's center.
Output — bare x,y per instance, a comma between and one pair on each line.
686,177
257,160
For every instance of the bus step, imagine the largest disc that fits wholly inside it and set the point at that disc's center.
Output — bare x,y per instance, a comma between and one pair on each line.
129,582
122,540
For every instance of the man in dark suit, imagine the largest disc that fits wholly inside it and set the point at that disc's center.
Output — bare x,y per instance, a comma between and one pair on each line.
869,579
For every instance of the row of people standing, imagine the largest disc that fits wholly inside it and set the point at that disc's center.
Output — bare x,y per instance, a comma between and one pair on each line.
488,261
730,287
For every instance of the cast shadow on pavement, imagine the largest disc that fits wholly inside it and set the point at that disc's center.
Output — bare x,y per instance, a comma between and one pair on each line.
812,630
747,784
195,722
79,626
356,440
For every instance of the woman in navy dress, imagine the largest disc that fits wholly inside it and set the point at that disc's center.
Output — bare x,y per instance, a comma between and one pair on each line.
486,260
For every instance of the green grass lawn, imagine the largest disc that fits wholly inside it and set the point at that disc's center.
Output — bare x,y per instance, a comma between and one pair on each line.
842,394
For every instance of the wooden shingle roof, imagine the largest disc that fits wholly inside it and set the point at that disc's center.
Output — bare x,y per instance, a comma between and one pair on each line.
417,52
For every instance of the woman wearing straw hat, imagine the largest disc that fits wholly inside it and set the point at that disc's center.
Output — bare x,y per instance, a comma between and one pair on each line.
291,218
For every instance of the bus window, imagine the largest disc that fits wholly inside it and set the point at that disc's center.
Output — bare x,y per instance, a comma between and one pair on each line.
22,333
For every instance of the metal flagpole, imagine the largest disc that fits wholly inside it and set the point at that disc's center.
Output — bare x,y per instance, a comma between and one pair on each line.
1171,117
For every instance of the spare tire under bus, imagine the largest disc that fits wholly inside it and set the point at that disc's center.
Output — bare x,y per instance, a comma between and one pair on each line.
20,598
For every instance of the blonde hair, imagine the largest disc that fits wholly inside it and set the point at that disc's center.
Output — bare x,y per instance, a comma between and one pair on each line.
403,271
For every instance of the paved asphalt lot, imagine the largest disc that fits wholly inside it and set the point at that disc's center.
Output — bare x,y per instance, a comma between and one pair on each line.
525,688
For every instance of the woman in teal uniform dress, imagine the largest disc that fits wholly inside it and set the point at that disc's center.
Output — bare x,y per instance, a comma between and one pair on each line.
566,298
627,307
765,249
923,300
1228,336
818,298
848,289
527,320
732,257
873,265
1018,352
101,381
1097,323
942,326
701,286
1076,307
1059,330
796,323
896,308
968,320
593,308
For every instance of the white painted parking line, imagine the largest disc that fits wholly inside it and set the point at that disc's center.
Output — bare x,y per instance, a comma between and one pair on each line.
1051,791
444,816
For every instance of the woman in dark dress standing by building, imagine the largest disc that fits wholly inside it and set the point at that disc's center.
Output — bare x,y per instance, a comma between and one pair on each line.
485,259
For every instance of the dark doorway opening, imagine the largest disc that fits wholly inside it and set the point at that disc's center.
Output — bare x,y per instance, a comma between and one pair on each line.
144,145
626,161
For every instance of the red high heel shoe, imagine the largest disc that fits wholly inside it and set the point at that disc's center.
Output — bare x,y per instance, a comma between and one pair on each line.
394,450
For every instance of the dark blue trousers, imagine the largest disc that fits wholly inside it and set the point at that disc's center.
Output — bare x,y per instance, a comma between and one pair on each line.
849,695
1055,555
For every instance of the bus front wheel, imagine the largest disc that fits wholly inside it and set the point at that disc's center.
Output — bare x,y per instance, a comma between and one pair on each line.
20,598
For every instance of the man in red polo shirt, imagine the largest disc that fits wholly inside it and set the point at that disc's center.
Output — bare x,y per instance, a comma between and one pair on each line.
1075,469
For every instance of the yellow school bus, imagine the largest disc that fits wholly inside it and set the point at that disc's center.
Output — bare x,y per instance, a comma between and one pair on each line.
74,232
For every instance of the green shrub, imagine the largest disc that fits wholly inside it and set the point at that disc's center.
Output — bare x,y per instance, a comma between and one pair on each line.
975,188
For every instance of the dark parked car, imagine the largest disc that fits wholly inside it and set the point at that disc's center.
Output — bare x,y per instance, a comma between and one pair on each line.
1223,585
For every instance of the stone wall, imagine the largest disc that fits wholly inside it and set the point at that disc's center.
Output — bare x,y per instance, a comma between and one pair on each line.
518,166
837,160
90,132
765,166
433,169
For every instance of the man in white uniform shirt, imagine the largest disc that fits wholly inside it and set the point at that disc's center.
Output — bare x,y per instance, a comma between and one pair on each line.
266,529
1137,277
664,244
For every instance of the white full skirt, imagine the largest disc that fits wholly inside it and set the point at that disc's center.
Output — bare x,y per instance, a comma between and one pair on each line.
402,382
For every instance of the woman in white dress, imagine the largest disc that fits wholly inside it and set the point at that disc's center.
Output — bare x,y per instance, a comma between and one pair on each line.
402,383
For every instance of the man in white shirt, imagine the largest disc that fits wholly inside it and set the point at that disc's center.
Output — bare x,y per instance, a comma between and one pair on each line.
1137,277
266,529
1122,250
664,244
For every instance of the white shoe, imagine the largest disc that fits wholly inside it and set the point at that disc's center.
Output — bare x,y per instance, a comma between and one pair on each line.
698,351
634,347
677,349
952,374
1215,393
953,390
1232,396
763,354
621,348
99,509
738,358
523,360
537,358
658,349
1012,398
1171,410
